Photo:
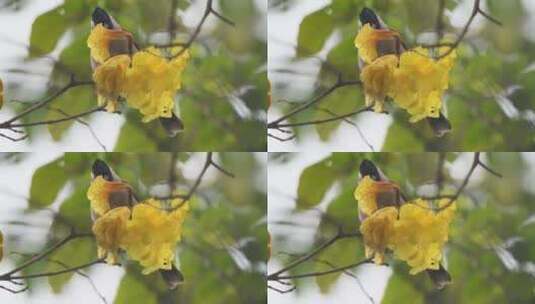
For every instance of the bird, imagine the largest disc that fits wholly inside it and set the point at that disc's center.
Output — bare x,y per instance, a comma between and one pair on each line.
122,195
393,45
124,44
393,197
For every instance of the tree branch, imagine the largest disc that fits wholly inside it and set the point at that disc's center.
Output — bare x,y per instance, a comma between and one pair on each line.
209,10
276,124
276,276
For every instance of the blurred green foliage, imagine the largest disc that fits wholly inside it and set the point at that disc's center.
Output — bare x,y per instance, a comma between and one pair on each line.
223,250
491,251
223,99
491,93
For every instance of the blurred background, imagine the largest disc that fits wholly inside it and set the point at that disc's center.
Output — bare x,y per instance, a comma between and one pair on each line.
490,254
222,253
491,91
222,102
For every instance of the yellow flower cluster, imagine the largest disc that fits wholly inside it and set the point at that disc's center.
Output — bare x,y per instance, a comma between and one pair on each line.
147,80
99,191
414,233
146,232
414,80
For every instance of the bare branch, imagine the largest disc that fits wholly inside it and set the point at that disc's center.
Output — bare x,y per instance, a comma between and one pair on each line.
42,255
340,83
209,10
322,273
55,273
276,276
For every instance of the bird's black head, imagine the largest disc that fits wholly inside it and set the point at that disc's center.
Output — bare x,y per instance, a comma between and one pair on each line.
368,16
101,17
100,168
367,168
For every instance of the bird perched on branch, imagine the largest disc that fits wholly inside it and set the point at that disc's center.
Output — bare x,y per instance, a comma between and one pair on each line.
120,194
381,49
119,41
381,197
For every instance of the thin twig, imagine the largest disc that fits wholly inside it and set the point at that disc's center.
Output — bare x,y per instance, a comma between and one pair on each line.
42,255
322,273
340,235
58,272
72,84
276,124
186,45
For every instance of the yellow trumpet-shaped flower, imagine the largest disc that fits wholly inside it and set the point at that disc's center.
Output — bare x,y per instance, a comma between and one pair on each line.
414,80
102,41
367,39
414,233
419,83
152,82
99,191
419,235
110,79
152,234
373,195
377,79
109,231
377,230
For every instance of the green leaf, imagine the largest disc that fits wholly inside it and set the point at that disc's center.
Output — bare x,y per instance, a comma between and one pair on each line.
76,212
74,253
314,31
72,57
314,183
76,100
132,290
133,139
401,139
47,29
342,253
344,211
341,101
343,57
399,289
47,181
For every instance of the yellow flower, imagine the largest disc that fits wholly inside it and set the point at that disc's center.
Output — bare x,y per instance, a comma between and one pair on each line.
152,234
376,231
372,195
98,194
377,79
365,194
109,230
419,83
101,38
367,39
419,235
153,81
110,79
